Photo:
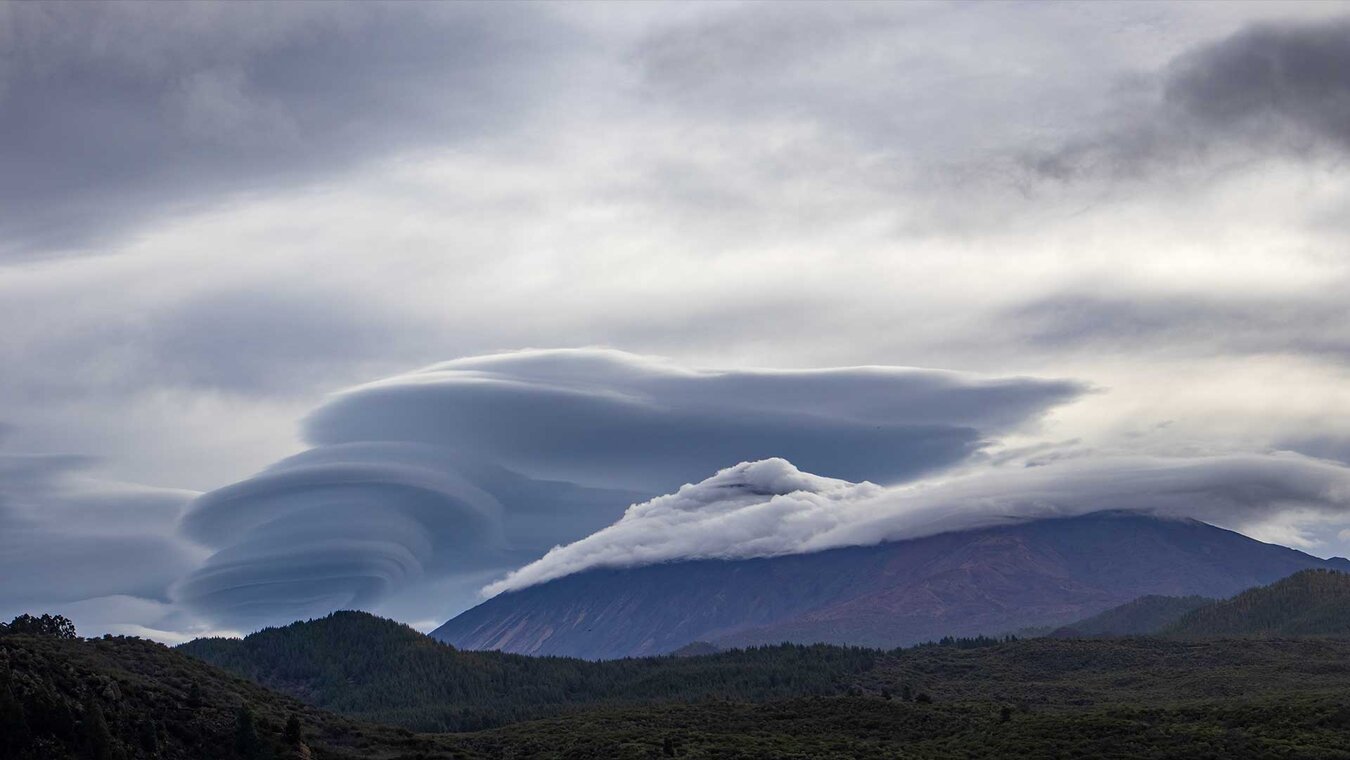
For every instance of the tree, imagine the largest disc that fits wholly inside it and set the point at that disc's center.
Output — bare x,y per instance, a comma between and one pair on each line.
247,744
195,698
55,626
148,733
293,733
98,740
14,735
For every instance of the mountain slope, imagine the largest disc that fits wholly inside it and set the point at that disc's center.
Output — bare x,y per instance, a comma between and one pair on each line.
1141,617
1309,603
1049,572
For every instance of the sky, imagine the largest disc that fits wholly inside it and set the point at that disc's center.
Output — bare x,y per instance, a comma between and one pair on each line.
312,306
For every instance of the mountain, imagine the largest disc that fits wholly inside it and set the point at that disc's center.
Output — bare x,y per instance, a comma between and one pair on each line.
1308,603
1141,617
988,581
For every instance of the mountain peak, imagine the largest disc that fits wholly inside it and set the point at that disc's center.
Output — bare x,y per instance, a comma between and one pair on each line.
990,580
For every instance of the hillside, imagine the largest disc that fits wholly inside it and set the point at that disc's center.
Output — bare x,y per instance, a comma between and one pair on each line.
1141,617
377,669
991,581
117,698
127,699
1309,603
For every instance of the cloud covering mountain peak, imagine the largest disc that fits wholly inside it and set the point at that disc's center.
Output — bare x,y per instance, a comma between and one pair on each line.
770,508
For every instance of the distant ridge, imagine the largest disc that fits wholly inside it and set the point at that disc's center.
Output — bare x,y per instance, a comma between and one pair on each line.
989,581
1308,603
1140,617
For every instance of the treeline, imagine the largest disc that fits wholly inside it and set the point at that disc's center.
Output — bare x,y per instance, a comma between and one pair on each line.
968,642
54,626
1307,603
376,669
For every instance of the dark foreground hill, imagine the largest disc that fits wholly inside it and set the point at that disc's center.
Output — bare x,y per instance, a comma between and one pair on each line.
1123,698
1044,573
120,698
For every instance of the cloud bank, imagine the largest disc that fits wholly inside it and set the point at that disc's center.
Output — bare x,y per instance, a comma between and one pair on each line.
1270,89
68,538
770,508
478,465
110,114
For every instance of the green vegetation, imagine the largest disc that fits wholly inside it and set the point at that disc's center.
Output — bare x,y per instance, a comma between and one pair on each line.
119,698
1141,617
864,728
55,626
376,669
1308,603
1182,696
1111,698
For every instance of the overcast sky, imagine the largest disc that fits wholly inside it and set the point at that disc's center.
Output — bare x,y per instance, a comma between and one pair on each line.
277,282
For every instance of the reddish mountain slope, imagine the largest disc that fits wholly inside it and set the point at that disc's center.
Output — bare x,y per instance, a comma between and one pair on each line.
989,581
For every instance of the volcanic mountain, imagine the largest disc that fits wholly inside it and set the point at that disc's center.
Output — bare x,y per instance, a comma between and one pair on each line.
991,581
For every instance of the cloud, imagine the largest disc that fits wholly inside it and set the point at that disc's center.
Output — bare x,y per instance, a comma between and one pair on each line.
1311,324
770,508
463,470
333,528
1270,89
67,537
610,418
112,113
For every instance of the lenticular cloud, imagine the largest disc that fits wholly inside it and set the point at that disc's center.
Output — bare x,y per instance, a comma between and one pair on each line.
471,467
770,508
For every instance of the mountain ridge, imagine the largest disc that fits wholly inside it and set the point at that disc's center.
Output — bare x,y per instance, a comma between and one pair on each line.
985,581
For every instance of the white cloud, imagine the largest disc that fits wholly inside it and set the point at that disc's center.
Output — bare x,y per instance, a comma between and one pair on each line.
770,508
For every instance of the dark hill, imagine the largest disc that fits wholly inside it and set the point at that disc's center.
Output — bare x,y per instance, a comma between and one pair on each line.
377,669
119,698
1141,617
1309,603
127,699
1049,572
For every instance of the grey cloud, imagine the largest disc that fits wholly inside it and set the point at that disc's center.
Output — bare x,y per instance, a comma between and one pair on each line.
770,508
347,525
441,478
611,418
272,339
332,528
1270,89
66,537
110,113
1312,324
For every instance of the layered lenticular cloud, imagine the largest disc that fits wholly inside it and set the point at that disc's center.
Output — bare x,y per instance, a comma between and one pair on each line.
770,508
482,464
619,419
